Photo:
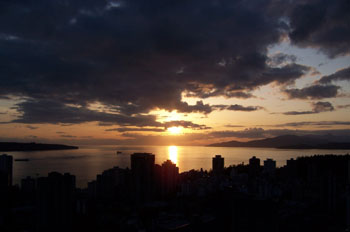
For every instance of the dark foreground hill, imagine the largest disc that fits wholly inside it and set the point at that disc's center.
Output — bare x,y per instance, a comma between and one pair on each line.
288,142
12,146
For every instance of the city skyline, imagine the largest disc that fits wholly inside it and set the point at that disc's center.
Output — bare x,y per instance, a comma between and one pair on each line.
173,72
155,197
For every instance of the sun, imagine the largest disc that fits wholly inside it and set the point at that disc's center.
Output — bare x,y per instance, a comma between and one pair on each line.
175,130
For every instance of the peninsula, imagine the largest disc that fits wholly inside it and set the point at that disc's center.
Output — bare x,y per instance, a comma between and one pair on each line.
13,146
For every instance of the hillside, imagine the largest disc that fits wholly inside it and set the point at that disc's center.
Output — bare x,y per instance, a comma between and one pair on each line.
12,146
288,142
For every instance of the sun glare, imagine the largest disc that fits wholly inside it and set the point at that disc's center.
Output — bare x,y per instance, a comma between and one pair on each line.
172,152
175,130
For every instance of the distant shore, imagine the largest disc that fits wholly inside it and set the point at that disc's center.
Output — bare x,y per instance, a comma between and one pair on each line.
289,142
13,146
330,146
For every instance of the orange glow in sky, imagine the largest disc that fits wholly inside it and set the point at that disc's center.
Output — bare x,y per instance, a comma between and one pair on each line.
175,130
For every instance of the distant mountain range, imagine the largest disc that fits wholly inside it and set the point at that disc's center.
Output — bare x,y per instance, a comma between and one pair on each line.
290,142
12,146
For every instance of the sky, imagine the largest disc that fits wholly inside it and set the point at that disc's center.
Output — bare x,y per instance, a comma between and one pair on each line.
173,72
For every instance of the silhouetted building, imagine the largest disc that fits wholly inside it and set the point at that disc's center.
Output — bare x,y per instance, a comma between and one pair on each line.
28,188
254,166
218,164
269,166
92,189
169,177
291,168
142,172
315,198
291,162
55,202
6,196
110,184
28,185
347,201
5,171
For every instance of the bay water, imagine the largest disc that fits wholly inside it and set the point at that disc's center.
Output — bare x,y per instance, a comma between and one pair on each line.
88,161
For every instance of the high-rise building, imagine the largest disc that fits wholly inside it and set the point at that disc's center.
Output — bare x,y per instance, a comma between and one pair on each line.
218,164
291,168
254,162
254,166
5,170
142,172
169,178
5,189
55,202
28,188
28,185
110,184
269,166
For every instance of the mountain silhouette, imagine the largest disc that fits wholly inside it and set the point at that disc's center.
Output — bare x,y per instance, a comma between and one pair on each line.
288,142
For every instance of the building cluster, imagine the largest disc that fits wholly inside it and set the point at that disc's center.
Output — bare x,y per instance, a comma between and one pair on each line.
145,181
5,171
307,194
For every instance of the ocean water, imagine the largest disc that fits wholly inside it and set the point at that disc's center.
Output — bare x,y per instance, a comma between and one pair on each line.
88,161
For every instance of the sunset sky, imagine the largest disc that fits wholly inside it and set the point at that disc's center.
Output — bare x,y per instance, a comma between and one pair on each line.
173,72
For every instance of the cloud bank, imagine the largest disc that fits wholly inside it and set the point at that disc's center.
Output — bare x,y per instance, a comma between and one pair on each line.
136,56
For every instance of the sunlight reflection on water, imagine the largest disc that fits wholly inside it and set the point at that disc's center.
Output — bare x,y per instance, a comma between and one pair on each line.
172,153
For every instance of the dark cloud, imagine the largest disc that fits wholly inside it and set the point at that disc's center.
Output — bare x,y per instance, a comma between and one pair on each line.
322,107
315,123
343,74
280,59
47,111
243,108
185,124
298,112
32,127
343,106
229,125
237,107
249,80
202,91
57,113
322,24
125,129
138,56
198,107
313,92
238,94
317,107
68,136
